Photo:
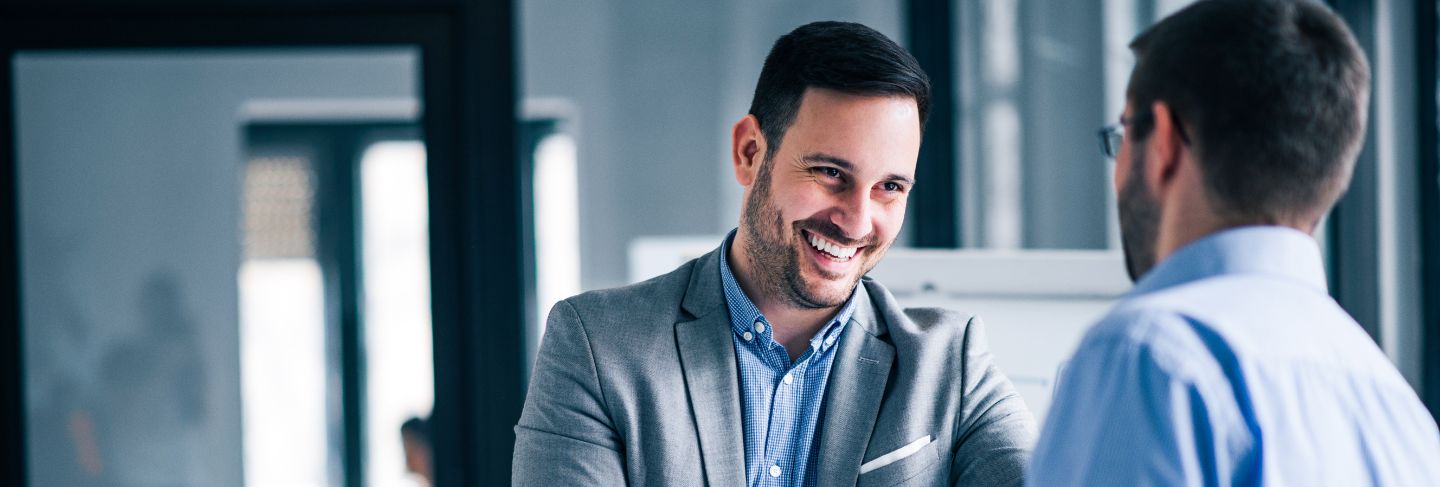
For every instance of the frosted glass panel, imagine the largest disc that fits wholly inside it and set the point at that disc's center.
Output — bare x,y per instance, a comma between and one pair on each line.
146,362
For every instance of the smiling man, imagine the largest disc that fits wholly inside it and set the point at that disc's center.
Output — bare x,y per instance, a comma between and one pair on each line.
773,360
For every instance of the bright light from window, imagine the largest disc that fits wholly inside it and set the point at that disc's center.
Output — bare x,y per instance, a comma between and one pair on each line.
283,372
395,243
282,329
557,226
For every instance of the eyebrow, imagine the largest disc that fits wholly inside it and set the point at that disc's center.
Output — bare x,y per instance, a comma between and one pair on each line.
845,164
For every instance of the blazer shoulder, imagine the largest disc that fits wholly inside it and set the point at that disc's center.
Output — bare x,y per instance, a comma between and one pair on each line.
927,319
924,327
956,330
654,299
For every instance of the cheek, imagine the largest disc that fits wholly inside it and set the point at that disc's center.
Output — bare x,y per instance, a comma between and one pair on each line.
1122,169
801,205
888,219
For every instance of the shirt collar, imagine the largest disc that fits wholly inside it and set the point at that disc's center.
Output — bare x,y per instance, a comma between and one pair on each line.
1267,250
744,314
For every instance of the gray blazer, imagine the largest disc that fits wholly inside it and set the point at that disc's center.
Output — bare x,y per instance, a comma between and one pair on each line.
637,385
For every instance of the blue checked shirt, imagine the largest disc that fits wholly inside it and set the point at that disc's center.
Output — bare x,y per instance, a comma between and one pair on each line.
780,400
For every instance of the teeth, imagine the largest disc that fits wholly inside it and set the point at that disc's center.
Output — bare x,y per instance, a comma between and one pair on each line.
842,253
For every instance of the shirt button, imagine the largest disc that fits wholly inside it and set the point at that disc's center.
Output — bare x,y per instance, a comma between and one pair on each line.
774,470
759,327
789,379
748,336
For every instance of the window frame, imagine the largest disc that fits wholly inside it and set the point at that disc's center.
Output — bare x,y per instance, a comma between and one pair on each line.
1427,43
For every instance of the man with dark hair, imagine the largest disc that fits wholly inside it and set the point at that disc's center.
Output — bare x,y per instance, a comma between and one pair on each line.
1229,364
773,360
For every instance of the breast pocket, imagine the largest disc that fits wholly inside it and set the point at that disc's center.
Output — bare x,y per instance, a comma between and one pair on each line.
901,464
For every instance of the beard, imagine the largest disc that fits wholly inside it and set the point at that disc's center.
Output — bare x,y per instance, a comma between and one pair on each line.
775,257
1139,220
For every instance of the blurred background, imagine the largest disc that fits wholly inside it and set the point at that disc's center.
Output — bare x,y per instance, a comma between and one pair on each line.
312,243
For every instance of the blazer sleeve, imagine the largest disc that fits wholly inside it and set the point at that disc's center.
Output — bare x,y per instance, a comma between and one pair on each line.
995,431
565,436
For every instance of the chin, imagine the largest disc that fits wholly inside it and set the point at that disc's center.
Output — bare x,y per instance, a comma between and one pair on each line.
830,292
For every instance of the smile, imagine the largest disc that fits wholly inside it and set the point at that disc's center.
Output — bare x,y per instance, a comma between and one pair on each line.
831,249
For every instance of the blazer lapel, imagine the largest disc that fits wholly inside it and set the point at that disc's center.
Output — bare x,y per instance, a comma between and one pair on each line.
856,387
707,357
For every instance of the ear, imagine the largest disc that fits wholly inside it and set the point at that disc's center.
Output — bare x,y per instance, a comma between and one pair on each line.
1163,149
747,149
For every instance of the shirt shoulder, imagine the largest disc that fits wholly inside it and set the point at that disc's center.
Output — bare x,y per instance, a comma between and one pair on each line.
1146,377
1157,336
1158,354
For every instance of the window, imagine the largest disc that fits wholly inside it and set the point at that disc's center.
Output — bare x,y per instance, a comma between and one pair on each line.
1035,80
282,326
398,357
344,290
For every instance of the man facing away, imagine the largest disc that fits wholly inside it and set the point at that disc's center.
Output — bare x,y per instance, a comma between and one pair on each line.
772,360
1229,364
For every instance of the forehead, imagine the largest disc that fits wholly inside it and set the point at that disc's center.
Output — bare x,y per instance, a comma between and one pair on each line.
879,132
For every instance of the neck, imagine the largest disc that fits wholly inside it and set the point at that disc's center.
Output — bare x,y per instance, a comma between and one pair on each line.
793,325
1188,214
1191,216
1176,233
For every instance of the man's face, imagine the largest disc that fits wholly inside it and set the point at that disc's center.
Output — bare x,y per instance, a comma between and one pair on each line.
826,206
1139,209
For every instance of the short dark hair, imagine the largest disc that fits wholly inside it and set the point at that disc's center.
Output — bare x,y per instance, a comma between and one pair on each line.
1271,93
841,56
417,427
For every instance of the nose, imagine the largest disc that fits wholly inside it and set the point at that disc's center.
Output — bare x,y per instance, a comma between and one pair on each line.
853,214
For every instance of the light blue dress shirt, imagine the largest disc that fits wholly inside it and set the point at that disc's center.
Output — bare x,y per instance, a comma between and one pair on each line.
780,399
1229,364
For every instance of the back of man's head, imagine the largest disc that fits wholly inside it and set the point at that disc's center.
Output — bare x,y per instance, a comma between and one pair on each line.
842,56
1272,95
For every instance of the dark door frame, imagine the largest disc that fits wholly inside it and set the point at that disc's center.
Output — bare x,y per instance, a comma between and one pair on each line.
935,205
476,222
1426,46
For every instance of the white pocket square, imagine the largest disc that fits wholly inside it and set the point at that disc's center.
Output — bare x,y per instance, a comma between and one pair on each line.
896,455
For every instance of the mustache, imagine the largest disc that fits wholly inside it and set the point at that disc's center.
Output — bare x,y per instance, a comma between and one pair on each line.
828,230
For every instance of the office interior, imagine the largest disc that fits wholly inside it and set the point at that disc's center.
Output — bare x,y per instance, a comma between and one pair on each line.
242,243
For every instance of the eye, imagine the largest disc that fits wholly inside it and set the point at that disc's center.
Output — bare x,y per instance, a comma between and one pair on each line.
892,186
829,172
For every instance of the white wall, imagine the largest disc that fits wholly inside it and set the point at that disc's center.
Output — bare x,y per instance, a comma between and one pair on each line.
129,172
